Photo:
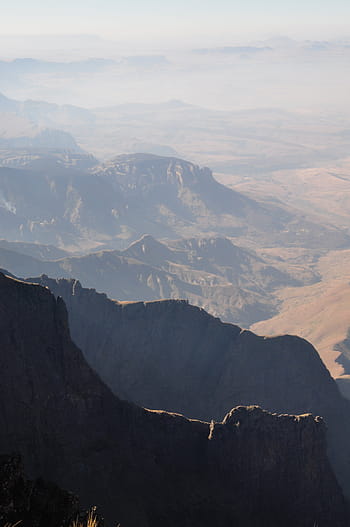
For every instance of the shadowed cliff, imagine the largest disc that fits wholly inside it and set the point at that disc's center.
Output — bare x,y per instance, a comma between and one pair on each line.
174,356
148,468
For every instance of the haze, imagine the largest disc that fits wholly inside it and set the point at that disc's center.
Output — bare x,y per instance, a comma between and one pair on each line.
257,91
223,55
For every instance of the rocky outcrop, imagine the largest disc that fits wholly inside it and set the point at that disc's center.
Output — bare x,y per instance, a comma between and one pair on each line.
174,356
269,439
149,468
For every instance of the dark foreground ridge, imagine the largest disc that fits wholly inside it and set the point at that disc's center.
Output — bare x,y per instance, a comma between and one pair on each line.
172,355
148,468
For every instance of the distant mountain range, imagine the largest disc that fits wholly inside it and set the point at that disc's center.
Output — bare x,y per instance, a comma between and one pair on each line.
251,143
116,202
44,114
27,126
228,281
47,159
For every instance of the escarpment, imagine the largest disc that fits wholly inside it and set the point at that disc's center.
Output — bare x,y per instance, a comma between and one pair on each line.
174,356
149,468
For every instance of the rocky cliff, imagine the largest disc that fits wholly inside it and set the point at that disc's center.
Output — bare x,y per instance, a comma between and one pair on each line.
169,354
174,356
149,468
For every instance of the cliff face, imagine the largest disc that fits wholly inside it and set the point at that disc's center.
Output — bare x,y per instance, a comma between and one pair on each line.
171,355
148,468
269,439
174,356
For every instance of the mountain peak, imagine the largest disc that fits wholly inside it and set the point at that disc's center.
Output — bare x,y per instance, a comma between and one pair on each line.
148,249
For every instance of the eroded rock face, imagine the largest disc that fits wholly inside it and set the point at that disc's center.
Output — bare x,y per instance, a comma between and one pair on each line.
174,356
269,441
171,355
148,468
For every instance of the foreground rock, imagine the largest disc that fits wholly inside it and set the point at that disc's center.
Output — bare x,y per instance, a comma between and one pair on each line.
147,468
172,355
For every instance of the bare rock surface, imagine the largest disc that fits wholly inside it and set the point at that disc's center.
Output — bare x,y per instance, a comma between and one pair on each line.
149,468
171,355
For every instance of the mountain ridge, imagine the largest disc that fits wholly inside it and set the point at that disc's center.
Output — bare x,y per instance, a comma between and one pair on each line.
166,197
175,356
146,468
229,281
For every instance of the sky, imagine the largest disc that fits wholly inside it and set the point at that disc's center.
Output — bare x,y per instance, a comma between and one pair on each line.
177,21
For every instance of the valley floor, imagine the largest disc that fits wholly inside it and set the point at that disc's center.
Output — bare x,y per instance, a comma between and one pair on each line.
320,312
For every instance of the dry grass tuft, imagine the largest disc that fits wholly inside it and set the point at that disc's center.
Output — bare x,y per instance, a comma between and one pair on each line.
91,520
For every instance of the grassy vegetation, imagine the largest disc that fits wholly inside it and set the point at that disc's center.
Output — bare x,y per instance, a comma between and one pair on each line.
91,520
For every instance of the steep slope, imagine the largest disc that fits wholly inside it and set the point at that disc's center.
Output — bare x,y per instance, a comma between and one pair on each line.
150,468
183,350
62,207
319,312
226,280
167,196
19,263
35,250
116,203
172,355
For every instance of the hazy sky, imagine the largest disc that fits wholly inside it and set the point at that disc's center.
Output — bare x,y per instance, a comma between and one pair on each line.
179,20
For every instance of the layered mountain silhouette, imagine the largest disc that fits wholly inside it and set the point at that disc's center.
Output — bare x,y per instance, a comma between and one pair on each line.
171,355
149,468
116,202
53,160
42,114
34,250
227,280
39,139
